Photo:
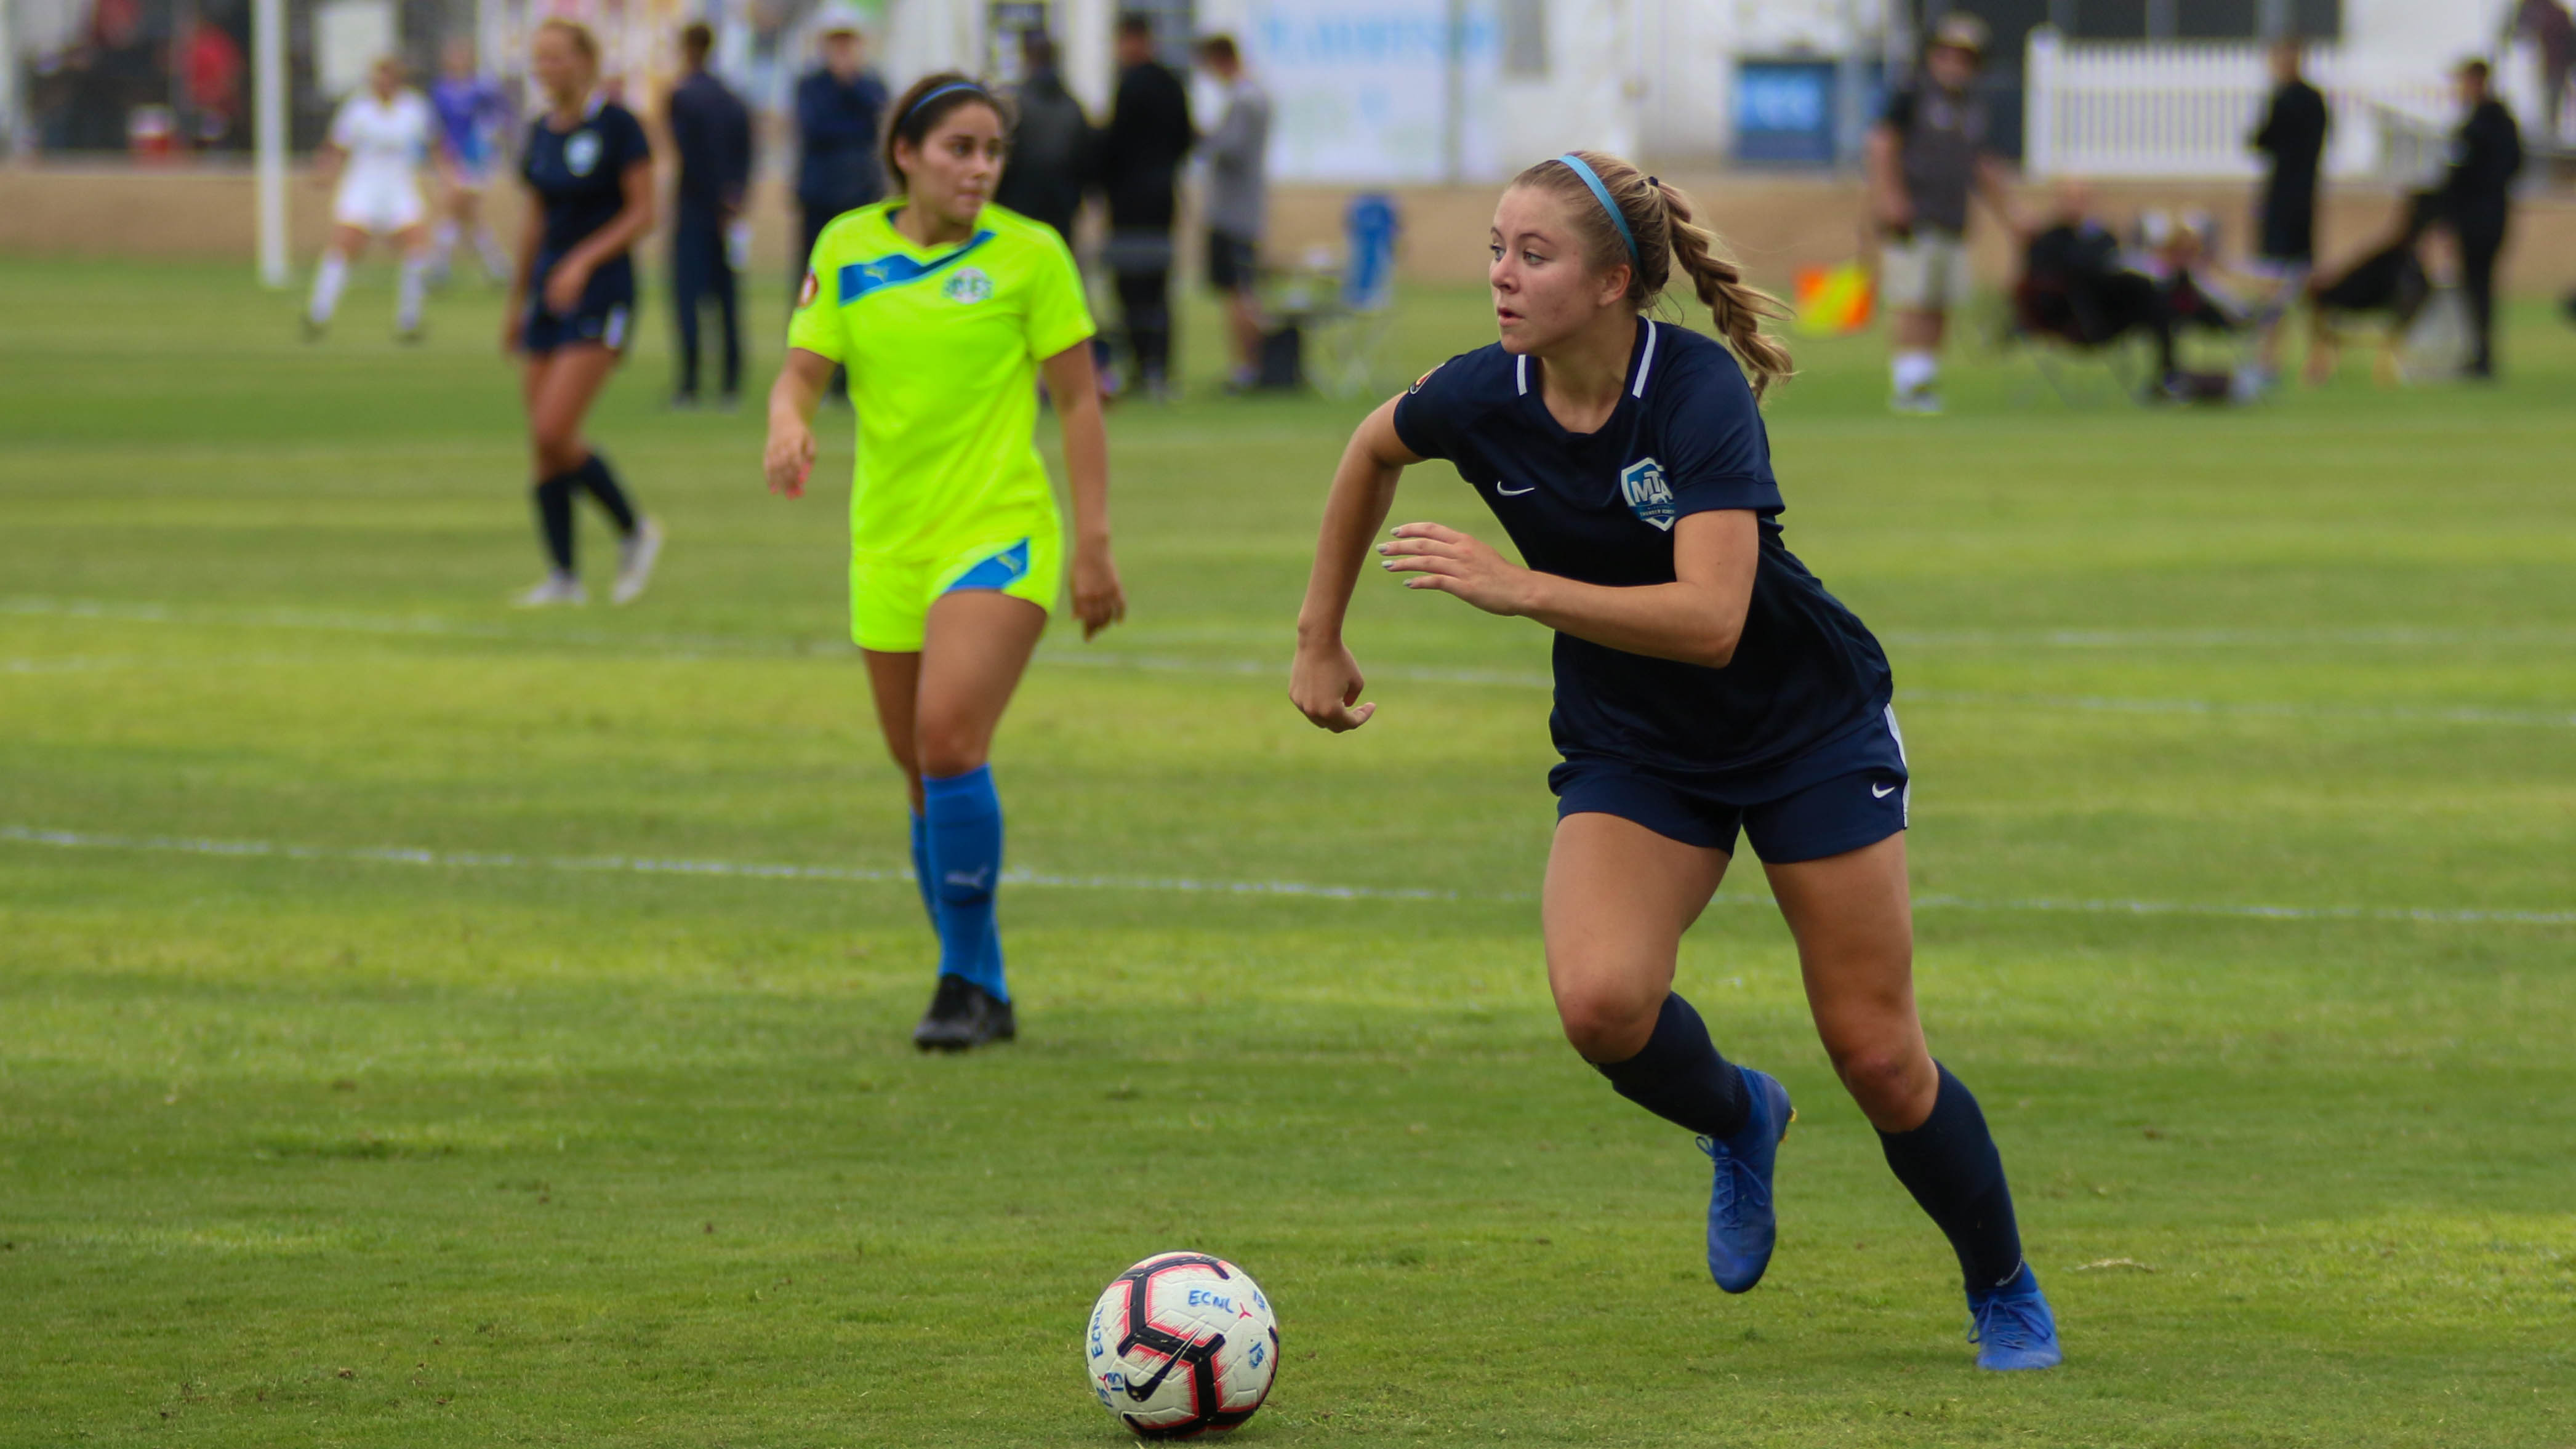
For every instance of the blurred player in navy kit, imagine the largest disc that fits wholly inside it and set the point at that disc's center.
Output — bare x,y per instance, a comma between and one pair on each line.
711,129
840,108
2477,199
1925,155
589,170
2293,136
1707,687
1149,135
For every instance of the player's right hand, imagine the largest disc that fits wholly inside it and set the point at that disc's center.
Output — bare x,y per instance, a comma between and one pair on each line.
789,458
1325,685
514,329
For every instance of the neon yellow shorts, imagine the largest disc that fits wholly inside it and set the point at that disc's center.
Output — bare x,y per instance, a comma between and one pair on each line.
890,597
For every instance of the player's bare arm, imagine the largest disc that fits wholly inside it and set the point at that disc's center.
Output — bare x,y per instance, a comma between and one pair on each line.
1325,684
1098,598
1695,619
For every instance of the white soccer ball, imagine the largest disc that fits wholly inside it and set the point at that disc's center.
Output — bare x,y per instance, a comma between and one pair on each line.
1181,1344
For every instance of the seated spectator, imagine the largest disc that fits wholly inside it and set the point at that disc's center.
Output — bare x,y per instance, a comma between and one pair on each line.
2076,284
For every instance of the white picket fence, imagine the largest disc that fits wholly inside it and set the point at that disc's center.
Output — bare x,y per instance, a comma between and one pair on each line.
2187,109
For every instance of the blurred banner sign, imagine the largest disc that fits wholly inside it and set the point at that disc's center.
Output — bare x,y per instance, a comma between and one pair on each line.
1378,91
348,37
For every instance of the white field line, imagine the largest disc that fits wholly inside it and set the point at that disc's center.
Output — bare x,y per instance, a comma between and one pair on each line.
1182,885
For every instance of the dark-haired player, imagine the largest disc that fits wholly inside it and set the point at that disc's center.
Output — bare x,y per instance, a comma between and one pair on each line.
1706,686
572,303
946,311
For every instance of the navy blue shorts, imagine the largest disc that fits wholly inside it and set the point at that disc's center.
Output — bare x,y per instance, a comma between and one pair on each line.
1849,793
606,314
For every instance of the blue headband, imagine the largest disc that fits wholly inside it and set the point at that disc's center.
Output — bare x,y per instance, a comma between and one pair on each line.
936,92
1601,193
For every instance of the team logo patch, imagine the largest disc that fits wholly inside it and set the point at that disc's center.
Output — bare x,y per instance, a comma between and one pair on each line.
581,152
970,285
1426,377
805,294
1642,484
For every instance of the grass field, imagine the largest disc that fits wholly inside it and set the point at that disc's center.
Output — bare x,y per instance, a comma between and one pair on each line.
426,1023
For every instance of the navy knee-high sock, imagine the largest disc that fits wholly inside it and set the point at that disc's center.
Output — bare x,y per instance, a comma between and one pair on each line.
554,517
1951,1166
1681,1078
602,483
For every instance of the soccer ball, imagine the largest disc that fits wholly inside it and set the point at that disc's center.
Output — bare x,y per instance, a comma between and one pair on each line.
1182,1344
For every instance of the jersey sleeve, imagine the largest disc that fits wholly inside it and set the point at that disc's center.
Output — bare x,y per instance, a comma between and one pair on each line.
344,125
1058,317
816,325
1427,416
624,140
1718,455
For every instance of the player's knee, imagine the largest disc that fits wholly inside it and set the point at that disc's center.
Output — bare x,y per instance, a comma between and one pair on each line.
1605,1025
558,447
1882,1077
949,744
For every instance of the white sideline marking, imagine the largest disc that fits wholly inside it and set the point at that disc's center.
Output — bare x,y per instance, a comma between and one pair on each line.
755,870
685,646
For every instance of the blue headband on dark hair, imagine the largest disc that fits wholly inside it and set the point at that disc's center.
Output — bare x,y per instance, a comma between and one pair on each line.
1601,193
935,93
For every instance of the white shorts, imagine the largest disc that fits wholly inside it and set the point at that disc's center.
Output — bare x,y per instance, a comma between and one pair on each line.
1924,272
379,204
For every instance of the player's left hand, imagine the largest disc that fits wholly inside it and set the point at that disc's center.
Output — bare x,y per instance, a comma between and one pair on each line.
1099,600
1442,558
564,286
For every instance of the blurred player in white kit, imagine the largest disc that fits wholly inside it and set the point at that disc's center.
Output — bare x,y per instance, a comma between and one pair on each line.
377,148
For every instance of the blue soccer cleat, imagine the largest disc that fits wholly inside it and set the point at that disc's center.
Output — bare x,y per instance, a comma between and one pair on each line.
1741,1224
2012,1326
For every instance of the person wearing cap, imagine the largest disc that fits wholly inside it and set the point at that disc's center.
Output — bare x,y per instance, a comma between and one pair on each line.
1929,150
839,107
2477,200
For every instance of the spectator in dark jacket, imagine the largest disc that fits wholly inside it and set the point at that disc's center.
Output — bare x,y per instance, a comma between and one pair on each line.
839,109
1149,136
2293,135
2477,199
711,129
1051,147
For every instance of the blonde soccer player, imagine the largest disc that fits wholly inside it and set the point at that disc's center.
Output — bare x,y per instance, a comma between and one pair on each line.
589,172
946,312
1707,686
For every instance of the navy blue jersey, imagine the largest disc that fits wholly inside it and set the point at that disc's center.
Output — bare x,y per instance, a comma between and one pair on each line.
579,174
1600,507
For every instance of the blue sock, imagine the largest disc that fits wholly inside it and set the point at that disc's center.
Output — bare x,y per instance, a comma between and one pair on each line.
1679,1076
965,828
921,867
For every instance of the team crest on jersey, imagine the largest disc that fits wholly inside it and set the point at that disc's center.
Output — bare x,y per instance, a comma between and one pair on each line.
1426,377
1642,484
581,152
970,285
805,294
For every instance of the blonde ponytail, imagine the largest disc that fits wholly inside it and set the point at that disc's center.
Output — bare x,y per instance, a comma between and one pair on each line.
1738,309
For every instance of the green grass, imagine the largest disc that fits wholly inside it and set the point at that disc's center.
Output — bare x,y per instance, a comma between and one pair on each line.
315,1146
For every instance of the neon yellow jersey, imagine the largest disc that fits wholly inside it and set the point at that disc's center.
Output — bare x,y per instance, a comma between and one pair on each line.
942,347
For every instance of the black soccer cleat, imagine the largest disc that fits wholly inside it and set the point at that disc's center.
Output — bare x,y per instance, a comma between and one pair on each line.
963,1014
